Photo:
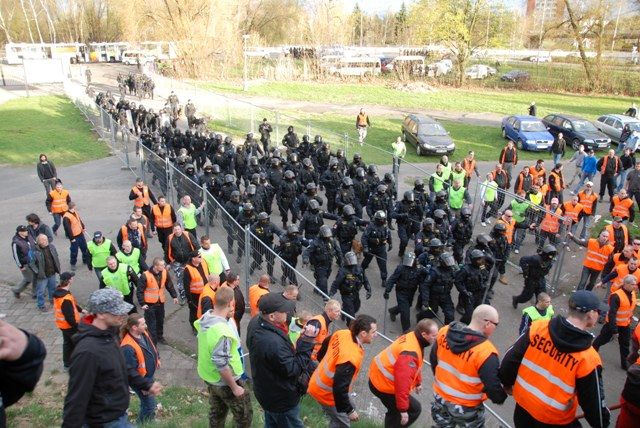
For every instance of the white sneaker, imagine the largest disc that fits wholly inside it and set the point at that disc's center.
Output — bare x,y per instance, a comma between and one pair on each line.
489,220
516,251
484,224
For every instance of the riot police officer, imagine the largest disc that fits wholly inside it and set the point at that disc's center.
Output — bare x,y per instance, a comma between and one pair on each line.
461,233
286,197
303,200
419,192
408,216
323,158
361,187
500,248
265,131
341,161
376,241
253,168
426,234
436,289
380,201
275,174
357,163
392,188
320,253
290,139
308,173
290,248
331,180
245,219
442,226
534,270
372,178
346,228
347,196
264,230
312,220
232,207
349,280
228,187
406,278
472,280
265,192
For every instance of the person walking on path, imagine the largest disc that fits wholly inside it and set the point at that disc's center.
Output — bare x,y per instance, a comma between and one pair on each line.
57,204
47,173
508,157
67,314
187,215
36,227
633,184
22,248
608,166
74,229
588,170
46,267
142,360
627,164
558,148
578,158
162,219
142,197
362,123
542,310
100,249
533,110
399,152
151,297
220,364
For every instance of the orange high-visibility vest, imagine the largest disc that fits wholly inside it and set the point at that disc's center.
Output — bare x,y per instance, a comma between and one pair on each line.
143,196
124,231
612,237
154,292
537,173
342,349
255,293
587,201
382,371
209,292
557,183
621,206
551,222
469,166
625,311
510,225
604,164
170,238
131,341
622,271
59,201
75,222
546,383
197,281
322,335
162,217
571,211
597,255
456,376
362,119
61,321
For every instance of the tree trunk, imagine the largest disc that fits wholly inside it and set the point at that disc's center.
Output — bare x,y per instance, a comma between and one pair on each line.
26,18
580,41
52,28
4,27
35,18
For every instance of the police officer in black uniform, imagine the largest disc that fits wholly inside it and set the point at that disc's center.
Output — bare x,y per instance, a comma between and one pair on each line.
308,173
380,201
349,280
376,241
266,192
534,270
461,233
290,248
228,187
232,206
500,249
312,220
426,234
265,131
361,187
408,216
353,166
322,158
472,280
290,139
320,253
419,192
346,228
406,278
286,196
436,290
442,226
347,196
372,178
264,230
245,219
303,200
342,161
331,180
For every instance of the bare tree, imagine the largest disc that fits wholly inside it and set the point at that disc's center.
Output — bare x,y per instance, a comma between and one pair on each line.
52,28
3,24
26,18
575,26
35,18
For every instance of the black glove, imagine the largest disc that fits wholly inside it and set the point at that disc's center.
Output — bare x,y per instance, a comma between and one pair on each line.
368,294
386,295
390,247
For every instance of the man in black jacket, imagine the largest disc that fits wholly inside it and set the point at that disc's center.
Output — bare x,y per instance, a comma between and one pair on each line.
47,173
98,393
276,365
22,247
21,361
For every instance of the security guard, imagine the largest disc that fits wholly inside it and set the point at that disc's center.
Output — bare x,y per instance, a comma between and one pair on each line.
162,219
436,289
121,277
256,291
349,280
472,281
131,256
534,269
187,215
208,295
408,216
142,197
74,230
322,322
376,241
598,252
346,229
100,248
264,230
320,253
406,278
397,371
542,310
290,247
553,368
465,368
67,315
150,293
196,272
461,232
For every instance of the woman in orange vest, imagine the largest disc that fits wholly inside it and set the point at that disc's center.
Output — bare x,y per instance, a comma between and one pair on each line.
57,203
67,315
397,371
621,305
553,367
194,278
622,206
331,382
142,360
598,252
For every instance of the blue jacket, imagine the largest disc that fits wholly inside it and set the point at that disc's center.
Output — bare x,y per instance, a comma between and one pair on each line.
589,165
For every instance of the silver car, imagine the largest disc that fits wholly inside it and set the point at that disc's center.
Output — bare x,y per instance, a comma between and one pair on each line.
612,124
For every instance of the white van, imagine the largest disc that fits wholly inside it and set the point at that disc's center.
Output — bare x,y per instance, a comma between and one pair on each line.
136,57
357,66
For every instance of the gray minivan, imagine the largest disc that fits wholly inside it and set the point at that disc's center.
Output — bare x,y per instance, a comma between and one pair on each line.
427,135
612,124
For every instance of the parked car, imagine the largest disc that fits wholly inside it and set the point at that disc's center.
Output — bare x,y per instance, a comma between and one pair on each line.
540,58
612,124
528,132
515,76
576,131
136,57
440,68
427,135
479,71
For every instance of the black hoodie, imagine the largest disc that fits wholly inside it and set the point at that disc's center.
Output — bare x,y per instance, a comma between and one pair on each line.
461,338
566,338
68,310
98,387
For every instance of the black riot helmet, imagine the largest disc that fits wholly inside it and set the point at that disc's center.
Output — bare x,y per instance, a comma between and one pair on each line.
382,189
499,228
190,169
317,139
372,169
263,217
350,259
235,196
276,153
484,239
255,178
220,149
229,178
216,169
418,185
435,244
477,256
306,162
305,138
549,252
447,260
253,161
465,213
251,189
441,195
439,215
228,140
275,162
380,217
250,136
360,172
247,207
314,205
340,153
289,175
292,230
388,177
208,169
293,158
347,182
357,157
409,196
325,232
348,211
408,259
333,164
428,223
290,129
311,187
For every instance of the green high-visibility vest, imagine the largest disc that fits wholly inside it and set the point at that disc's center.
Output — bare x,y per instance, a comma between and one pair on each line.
188,216
535,315
99,253
446,171
213,258
519,209
438,182
132,259
294,330
536,199
399,150
458,176
490,190
456,197
118,280
207,340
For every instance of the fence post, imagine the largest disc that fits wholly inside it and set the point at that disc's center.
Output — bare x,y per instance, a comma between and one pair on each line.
142,171
207,210
126,148
247,259
168,178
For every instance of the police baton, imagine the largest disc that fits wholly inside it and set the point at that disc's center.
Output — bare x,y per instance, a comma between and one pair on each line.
436,315
484,297
384,320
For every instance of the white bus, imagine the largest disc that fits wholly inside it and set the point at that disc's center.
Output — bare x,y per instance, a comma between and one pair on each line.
107,51
160,50
357,66
72,52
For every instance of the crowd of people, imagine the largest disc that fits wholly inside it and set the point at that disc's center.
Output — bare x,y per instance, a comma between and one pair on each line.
551,368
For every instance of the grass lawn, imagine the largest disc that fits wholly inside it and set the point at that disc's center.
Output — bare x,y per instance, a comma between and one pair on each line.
181,407
47,124
445,98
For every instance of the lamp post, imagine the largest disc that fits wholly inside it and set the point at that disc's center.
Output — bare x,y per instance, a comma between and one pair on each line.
245,82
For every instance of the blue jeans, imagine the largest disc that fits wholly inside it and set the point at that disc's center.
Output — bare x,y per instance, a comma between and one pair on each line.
121,422
288,419
586,224
622,178
42,284
147,407
557,157
586,176
79,243
57,222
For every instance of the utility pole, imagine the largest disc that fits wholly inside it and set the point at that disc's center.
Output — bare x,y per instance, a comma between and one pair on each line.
615,30
361,29
245,81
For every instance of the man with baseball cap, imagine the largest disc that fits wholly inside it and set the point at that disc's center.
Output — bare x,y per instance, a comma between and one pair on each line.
98,393
552,368
618,234
276,366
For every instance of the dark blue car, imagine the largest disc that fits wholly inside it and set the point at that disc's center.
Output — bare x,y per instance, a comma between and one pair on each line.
576,131
528,132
